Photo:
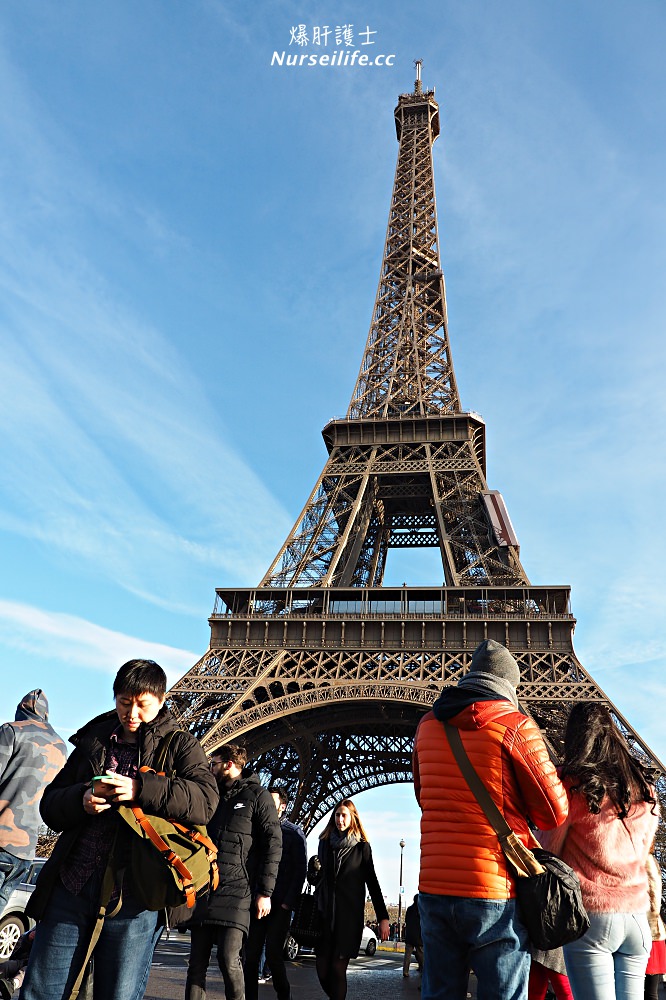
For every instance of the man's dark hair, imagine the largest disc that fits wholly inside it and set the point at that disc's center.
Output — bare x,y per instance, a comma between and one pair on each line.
137,677
234,752
280,792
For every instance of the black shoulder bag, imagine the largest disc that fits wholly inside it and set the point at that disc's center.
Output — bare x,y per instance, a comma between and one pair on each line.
307,926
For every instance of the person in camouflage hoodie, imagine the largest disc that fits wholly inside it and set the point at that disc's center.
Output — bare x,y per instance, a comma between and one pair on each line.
31,754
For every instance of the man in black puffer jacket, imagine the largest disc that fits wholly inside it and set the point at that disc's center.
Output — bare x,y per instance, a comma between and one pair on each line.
92,857
247,833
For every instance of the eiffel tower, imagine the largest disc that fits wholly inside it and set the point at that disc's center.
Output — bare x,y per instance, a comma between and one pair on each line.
321,670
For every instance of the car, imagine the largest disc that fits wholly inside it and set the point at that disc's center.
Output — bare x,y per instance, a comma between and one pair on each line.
368,945
292,949
13,921
368,941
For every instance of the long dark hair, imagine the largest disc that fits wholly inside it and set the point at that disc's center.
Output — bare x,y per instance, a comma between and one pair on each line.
598,759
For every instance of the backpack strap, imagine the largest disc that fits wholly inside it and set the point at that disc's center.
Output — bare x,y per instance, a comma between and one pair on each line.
493,814
105,895
211,851
163,750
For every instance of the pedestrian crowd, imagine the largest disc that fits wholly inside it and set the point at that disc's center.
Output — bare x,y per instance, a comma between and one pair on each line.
135,778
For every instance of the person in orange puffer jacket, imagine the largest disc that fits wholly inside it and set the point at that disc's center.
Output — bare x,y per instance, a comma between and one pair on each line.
466,890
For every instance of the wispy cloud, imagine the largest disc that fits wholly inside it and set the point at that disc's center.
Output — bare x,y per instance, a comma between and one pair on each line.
112,453
623,634
76,642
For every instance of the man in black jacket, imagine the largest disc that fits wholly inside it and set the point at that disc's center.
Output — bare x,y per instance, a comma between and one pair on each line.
274,928
91,861
247,833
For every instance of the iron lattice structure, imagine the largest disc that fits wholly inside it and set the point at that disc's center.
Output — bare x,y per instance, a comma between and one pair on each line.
321,670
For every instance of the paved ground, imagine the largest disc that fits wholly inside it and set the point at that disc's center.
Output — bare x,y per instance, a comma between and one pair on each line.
374,978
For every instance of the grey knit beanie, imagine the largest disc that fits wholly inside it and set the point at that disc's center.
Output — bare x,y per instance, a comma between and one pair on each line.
492,657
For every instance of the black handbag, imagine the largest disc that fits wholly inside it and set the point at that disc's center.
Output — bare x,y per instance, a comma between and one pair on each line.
551,904
307,925
547,890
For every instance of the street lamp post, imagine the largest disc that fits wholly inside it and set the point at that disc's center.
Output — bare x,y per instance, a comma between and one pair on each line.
402,847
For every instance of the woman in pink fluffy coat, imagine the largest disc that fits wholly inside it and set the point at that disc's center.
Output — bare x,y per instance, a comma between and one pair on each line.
606,839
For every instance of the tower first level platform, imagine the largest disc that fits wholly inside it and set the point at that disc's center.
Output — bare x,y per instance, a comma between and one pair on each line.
274,652
310,677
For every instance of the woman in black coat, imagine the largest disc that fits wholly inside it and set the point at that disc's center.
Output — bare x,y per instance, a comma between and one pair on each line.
346,869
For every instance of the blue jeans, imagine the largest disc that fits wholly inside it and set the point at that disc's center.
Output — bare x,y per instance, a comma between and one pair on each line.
12,870
610,960
122,954
486,935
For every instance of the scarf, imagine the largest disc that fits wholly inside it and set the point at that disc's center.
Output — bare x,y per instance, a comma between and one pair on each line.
489,684
341,845
470,689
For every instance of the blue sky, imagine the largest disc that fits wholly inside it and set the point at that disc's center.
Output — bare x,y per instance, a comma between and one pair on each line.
191,241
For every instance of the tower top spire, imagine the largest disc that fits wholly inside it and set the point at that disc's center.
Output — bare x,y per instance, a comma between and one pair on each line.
418,87
407,369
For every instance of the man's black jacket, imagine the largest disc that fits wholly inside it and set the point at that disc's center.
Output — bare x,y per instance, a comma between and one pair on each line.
291,873
187,792
247,833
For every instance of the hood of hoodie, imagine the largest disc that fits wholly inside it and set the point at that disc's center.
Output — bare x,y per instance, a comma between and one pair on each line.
33,707
453,700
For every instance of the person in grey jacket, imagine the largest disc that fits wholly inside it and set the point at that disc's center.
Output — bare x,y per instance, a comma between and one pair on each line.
31,754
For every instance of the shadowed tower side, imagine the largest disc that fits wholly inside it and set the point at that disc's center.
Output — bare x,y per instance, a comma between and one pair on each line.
321,670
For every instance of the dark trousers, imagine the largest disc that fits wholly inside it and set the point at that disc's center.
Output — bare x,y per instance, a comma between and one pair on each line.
272,930
652,986
229,941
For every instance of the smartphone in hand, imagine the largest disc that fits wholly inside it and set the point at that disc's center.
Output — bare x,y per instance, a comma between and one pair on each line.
103,784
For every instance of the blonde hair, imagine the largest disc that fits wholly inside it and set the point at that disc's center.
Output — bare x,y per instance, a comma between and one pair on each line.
355,826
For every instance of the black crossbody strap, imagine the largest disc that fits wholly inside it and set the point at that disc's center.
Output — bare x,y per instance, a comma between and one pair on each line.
479,790
163,749
515,851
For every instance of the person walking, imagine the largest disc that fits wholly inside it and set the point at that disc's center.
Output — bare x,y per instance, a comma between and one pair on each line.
31,754
413,939
273,929
656,966
548,968
94,848
246,831
345,867
606,839
466,889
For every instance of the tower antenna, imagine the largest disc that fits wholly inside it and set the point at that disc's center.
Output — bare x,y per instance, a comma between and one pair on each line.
418,87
